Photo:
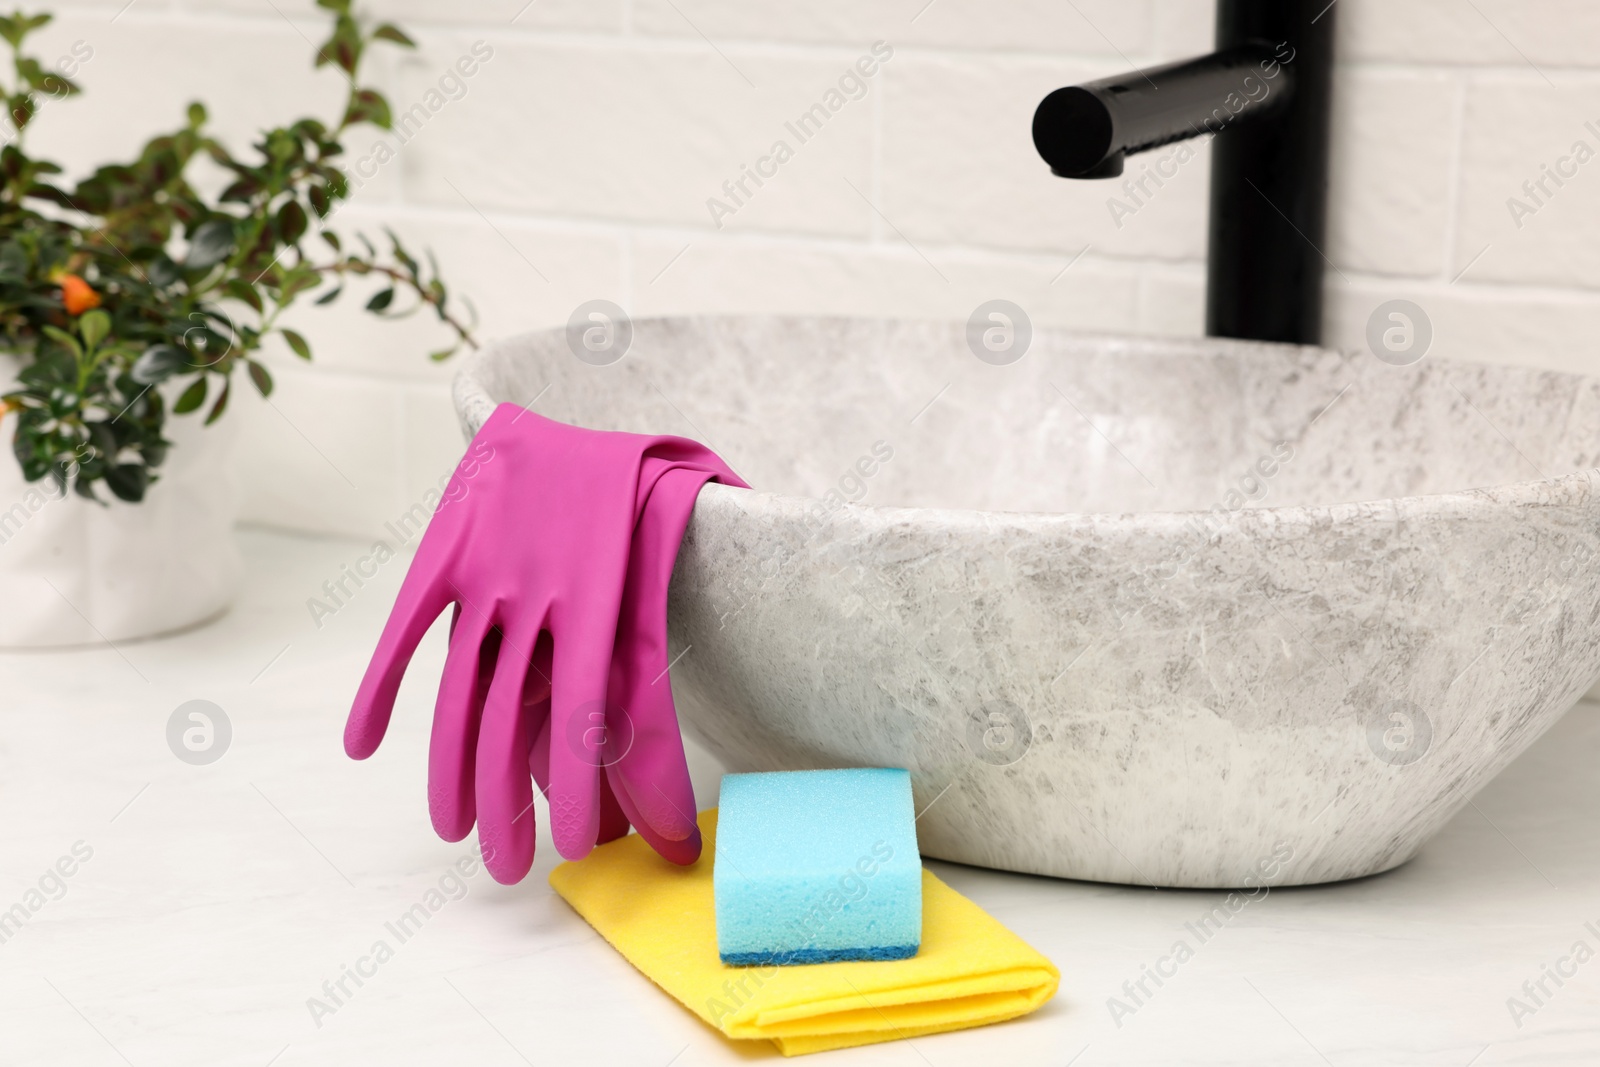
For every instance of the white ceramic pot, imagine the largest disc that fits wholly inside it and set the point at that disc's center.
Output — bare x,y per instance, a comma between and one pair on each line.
75,572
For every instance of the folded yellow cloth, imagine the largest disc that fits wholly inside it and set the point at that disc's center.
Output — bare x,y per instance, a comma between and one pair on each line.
970,970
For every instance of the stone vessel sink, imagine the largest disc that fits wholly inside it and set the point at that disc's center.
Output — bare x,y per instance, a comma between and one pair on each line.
1175,612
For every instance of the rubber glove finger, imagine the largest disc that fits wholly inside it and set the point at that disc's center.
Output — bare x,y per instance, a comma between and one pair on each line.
423,596
612,792
614,821
536,707
504,788
614,818
582,733
538,687
539,753
654,768
652,775
463,687
682,852
655,775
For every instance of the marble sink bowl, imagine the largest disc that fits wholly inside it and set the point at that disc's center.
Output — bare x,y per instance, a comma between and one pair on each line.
1174,612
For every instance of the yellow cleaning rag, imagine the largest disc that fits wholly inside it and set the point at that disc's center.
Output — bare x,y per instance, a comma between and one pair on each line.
970,970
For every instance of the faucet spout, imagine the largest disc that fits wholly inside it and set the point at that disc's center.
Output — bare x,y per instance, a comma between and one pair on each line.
1263,98
1085,131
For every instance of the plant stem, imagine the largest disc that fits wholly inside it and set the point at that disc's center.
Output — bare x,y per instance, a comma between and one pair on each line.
344,267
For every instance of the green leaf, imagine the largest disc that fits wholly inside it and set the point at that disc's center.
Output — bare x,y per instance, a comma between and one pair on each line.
192,397
291,222
20,105
41,191
243,291
197,114
162,271
296,342
222,402
31,71
64,339
443,354
58,86
102,439
240,191
346,54
381,299
259,375
158,363
367,105
299,279
332,239
128,481
210,244
94,326
15,27
343,46
330,296
390,32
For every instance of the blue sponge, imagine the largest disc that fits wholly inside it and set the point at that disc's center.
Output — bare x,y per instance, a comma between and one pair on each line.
813,866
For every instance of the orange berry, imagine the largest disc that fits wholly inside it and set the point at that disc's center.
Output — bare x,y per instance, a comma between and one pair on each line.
77,295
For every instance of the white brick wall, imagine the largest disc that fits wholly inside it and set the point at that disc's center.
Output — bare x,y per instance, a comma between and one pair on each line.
579,162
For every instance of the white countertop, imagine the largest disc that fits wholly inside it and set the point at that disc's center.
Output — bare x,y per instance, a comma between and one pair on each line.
215,900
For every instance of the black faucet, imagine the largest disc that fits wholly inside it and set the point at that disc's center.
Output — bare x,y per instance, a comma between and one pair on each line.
1264,97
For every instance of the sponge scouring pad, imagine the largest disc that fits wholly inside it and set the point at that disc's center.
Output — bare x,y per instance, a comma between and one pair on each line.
814,866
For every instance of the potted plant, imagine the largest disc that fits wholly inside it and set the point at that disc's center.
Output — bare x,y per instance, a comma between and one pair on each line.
128,302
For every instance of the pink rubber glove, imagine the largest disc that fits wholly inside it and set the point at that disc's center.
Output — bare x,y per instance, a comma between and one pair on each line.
637,742
534,547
